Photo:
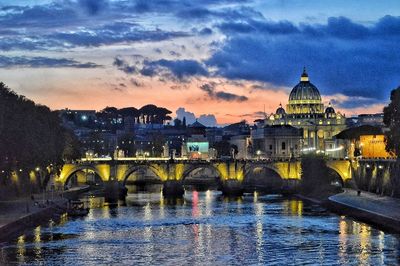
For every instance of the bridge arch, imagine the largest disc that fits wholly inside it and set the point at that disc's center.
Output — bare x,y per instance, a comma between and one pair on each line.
69,173
157,171
195,167
272,180
342,169
250,169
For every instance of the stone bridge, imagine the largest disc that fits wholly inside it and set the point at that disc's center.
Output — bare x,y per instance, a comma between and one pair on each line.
177,170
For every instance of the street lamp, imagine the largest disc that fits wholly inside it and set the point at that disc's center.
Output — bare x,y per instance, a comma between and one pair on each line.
258,154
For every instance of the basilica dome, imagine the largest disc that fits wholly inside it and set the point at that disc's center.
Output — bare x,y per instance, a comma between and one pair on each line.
280,110
305,98
304,90
329,109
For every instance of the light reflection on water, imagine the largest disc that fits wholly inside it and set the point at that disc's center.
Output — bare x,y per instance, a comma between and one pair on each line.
204,228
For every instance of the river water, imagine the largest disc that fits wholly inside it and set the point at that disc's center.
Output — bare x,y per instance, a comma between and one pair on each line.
204,228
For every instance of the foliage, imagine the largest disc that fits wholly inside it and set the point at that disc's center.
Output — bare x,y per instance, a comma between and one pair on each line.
391,119
315,175
224,148
158,141
71,146
126,143
30,134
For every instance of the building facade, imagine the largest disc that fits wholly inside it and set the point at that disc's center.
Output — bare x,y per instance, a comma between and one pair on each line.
305,110
276,142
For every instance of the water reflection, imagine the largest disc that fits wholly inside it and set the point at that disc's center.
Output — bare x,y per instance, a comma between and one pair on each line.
204,228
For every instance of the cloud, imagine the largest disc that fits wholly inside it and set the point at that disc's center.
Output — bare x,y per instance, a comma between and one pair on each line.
93,7
136,82
341,101
55,28
205,31
36,62
209,88
206,119
341,56
119,32
178,69
122,65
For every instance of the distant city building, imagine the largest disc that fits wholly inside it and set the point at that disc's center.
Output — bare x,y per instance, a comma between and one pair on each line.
366,119
242,143
196,145
277,141
365,142
305,110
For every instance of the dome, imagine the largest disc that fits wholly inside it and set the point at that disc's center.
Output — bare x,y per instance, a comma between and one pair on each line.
329,109
304,98
304,90
280,110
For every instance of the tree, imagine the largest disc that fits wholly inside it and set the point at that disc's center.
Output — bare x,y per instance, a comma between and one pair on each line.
223,148
316,177
158,141
391,118
72,147
127,144
31,136
177,123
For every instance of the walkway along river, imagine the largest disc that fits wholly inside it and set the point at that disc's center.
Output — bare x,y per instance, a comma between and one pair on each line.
204,228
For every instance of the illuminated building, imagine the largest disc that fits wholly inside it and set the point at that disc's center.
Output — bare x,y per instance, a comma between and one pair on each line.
305,110
196,146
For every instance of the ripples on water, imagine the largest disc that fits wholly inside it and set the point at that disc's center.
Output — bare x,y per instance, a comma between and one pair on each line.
204,228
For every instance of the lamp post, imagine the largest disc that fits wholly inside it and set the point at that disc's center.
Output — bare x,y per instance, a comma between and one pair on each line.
38,170
258,154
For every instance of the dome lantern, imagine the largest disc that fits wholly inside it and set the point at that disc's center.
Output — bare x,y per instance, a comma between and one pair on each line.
304,76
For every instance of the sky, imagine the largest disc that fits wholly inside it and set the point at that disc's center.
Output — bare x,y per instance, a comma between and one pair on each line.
221,61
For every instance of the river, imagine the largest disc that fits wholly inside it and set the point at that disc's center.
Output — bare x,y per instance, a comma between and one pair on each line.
204,228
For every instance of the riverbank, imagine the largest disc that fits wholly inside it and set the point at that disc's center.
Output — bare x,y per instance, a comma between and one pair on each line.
22,214
18,216
381,211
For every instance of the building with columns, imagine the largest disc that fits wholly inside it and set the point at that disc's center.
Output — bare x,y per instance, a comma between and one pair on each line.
305,110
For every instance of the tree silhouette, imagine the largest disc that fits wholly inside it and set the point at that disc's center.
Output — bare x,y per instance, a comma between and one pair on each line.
391,118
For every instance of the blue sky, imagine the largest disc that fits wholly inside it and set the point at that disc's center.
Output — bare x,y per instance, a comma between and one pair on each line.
216,59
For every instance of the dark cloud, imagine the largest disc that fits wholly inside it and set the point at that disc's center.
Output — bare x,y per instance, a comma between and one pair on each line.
352,102
179,69
205,31
35,62
341,56
209,88
203,13
119,32
40,16
173,53
136,82
94,6
124,66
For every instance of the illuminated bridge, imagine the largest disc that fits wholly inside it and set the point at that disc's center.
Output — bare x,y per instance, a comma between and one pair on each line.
231,171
